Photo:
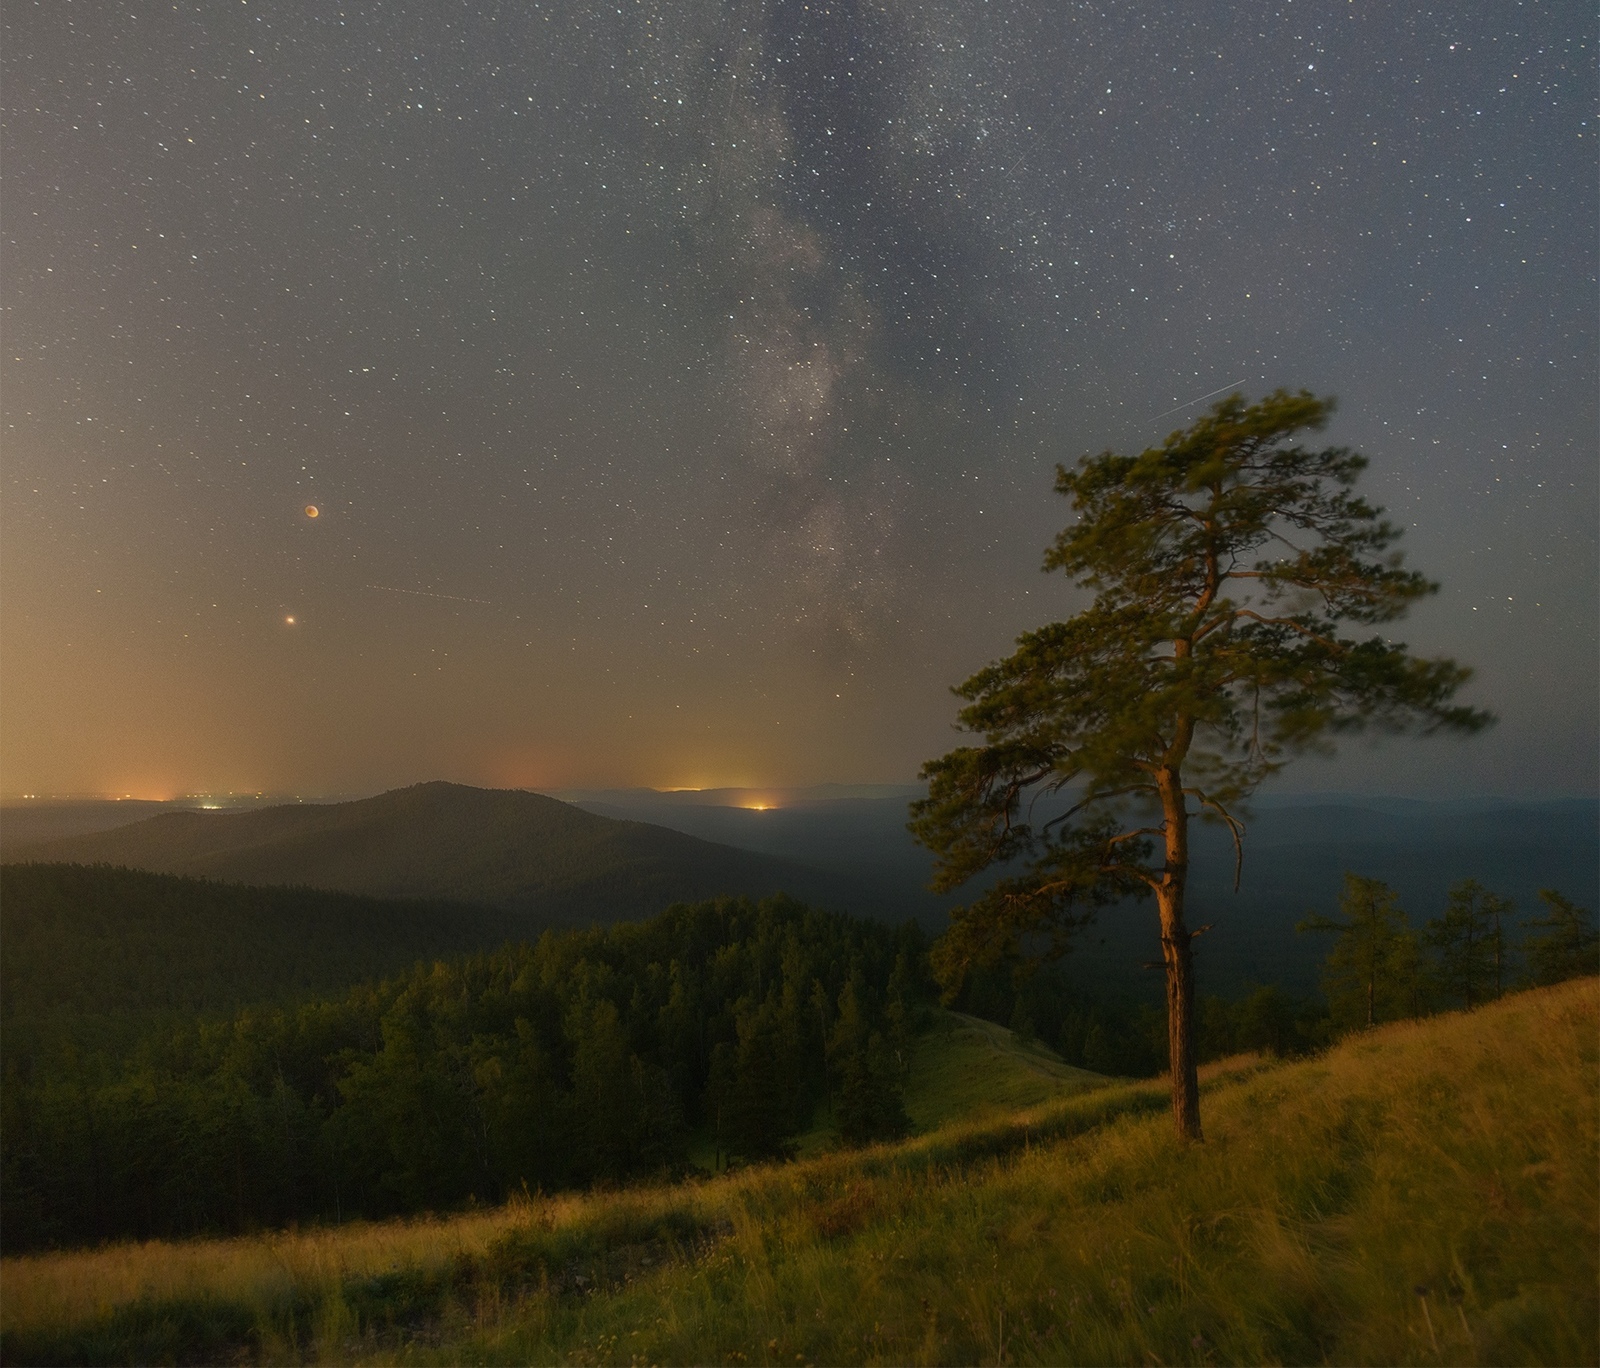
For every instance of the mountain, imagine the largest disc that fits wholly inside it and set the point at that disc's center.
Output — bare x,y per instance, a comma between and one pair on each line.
93,957
499,847
29,823
857,831
849,848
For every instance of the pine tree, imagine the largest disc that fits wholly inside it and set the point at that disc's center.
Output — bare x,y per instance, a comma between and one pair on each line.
1226,565
1365,976
758,1116
721,1081
1468,942
1570,947
871,1102
871,1094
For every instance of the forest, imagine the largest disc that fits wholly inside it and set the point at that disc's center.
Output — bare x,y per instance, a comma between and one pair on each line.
182,1057
1379,968
585,1058
93,958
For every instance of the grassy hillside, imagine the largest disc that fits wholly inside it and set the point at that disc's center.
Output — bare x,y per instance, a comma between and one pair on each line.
505,848
95,956
965,1068
1425,1193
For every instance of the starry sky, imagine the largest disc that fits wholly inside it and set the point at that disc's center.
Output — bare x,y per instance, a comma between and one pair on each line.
679,382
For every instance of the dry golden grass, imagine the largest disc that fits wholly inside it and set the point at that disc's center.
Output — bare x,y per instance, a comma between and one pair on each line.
70,1288
1426,1193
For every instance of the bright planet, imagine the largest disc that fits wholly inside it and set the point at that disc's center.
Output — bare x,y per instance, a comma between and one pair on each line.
311,510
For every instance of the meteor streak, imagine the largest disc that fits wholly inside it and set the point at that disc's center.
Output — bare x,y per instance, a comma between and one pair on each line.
1186,404
427,593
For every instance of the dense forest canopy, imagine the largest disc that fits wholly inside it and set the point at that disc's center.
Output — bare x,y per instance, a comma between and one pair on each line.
182,1057
93,958
586,1057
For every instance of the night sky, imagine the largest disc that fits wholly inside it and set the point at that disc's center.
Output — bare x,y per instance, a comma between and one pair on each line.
679,384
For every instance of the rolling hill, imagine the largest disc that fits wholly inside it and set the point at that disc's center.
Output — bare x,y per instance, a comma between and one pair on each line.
848,848
31,823
92,958
502,848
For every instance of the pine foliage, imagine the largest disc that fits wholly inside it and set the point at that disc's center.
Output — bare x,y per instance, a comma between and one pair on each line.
587,1058
1372,972
1568,946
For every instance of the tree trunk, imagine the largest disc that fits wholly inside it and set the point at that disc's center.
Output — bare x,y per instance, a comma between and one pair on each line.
1178,957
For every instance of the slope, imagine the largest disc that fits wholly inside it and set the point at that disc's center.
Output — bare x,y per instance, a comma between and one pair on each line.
504,848
966,1068
963,1069
1423,1193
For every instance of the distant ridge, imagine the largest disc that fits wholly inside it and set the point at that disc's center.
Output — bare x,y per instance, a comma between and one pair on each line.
500,847
95,957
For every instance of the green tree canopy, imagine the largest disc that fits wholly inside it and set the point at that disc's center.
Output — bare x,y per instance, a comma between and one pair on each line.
1469,943
1225,564
1569,946
1371,973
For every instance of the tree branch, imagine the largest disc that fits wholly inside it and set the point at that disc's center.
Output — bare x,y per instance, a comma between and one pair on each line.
1235,829
1076,808
1290,623
1122,836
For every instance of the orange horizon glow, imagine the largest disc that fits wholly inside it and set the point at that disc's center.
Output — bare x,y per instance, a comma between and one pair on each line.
548,774
96,796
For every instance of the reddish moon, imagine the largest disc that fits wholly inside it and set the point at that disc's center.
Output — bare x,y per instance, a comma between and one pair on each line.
311,510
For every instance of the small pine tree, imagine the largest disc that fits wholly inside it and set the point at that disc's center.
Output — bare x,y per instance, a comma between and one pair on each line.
1266,1021
1366,975
871,1087
1499,911
1468,942
1571,946
871,1096
1412,987
758,1116
720,1084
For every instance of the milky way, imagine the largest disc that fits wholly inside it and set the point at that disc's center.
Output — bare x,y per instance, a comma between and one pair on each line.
679,384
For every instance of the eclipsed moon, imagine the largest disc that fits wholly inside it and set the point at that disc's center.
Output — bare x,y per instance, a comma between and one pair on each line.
311,510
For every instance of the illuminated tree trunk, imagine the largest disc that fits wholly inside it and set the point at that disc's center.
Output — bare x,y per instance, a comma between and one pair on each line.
1178,959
